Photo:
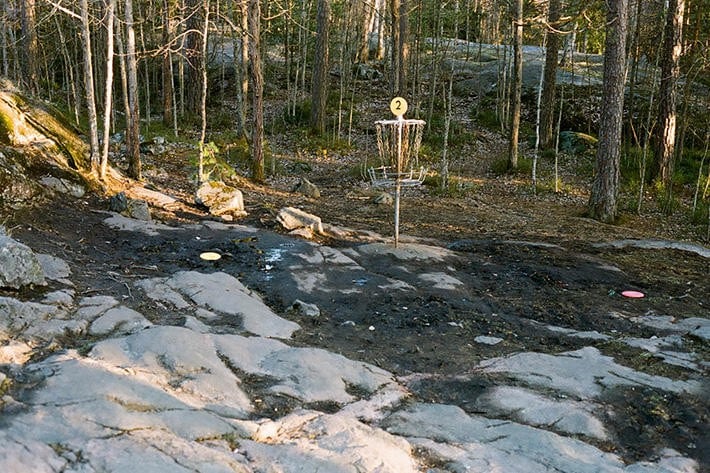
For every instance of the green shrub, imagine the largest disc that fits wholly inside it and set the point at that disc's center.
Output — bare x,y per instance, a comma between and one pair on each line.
456,187
488,119
701,215
501,166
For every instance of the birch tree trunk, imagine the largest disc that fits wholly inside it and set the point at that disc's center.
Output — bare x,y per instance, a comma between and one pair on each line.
605,189
89,86
241,65
108,94
167,67
516,90
133,117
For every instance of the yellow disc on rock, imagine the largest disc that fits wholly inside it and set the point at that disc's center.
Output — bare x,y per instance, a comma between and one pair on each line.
210,256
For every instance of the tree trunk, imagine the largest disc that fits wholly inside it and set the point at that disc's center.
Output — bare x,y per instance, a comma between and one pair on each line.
368,12
30,48
193,54
319,86
403,48
167,67
547,99
203,91
133,117
605,189
400,48
89,86
517,88
108,94
4,41
241,65
667,94
257,91
381,7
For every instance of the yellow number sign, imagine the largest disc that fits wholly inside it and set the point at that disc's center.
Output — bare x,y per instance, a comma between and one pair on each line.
398,106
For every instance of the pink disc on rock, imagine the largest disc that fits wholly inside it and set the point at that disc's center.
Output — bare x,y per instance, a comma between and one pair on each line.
633,294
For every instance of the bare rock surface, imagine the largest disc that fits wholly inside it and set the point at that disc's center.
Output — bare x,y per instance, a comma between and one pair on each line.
192,366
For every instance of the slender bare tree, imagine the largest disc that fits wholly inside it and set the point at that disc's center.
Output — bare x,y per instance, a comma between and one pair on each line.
108,93
89,86
133,116
516,90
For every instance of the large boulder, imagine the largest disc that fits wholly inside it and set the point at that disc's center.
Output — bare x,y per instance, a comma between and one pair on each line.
35,140
307,188
221,200
19,265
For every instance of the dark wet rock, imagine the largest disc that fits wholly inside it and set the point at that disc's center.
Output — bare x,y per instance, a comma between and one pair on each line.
118,203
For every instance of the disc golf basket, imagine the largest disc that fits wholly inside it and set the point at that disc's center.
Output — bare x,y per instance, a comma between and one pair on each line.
398,143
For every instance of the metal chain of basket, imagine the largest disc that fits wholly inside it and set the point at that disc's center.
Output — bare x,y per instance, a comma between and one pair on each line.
398,143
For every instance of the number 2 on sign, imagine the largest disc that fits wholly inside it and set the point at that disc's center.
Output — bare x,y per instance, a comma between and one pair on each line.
398,106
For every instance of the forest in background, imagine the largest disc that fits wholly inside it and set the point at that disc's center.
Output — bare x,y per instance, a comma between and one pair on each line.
165,66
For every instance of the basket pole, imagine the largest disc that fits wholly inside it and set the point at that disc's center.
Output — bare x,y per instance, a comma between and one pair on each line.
397,182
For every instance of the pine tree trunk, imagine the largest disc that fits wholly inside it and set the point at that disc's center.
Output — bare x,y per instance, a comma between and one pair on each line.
30,48
4,41
667,94
319,86
605,189
368,11
547,99
257,91
193,54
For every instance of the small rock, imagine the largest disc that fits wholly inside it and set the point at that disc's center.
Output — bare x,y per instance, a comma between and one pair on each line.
305,233
307,188
55,269
383,198
488,340
138,209
304,308
118,203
